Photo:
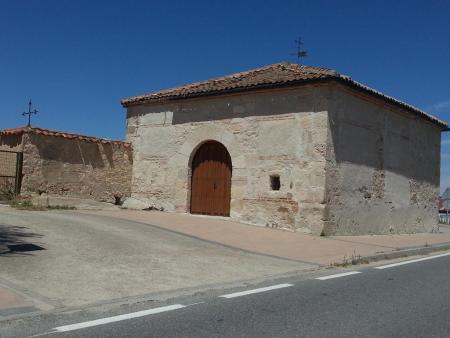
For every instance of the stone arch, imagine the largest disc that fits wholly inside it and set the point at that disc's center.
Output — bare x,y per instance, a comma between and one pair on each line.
193,140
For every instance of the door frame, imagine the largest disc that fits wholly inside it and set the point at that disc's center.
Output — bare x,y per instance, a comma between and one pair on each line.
190,174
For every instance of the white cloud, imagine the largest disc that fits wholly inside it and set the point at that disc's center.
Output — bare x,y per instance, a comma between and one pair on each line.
440,107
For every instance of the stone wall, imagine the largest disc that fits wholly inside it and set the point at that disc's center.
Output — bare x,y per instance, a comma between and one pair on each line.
276,132
11,142
348,163
76,168
382,168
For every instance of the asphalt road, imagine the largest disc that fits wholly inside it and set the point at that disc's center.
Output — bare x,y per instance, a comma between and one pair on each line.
410,300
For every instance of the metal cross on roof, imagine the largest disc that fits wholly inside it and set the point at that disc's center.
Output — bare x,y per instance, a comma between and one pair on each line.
29,113
301,53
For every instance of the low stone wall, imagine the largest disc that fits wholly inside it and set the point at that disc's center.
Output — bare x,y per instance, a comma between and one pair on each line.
78,168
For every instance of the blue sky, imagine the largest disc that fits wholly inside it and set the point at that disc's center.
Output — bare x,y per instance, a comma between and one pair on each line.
78,59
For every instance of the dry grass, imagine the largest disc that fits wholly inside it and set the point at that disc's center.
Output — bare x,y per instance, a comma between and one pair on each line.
25,204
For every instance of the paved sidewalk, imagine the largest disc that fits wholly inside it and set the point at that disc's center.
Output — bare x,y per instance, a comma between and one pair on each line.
12,300
296,246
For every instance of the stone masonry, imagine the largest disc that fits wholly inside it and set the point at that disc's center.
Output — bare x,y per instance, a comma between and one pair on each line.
164,142
71,165
383,168
350,160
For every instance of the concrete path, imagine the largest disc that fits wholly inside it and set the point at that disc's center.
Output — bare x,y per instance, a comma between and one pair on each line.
58,259
296,246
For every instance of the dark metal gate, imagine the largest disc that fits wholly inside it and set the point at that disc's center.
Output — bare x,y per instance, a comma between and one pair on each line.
10,172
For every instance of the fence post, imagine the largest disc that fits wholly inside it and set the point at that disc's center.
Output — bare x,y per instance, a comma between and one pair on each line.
18,179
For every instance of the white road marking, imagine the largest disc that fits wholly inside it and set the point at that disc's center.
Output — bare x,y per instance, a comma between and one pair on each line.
249,292
338,275
43,334
411,261
108,320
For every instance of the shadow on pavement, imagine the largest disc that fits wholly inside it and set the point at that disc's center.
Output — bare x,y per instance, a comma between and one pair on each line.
17,240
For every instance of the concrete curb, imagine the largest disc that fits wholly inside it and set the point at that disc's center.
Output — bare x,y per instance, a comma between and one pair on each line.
401,253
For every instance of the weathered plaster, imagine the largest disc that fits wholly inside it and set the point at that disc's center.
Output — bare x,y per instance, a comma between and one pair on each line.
60,166
11,142
277,132
348,163
382,168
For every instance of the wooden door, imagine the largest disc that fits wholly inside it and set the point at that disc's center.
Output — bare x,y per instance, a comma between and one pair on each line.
211,180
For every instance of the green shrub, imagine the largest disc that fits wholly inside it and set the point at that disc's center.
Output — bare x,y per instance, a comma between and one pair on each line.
61,207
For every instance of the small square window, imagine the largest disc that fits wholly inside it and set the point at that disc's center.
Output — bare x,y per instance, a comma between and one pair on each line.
275,182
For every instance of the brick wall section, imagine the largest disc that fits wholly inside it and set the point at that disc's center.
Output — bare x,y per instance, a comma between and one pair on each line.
77,168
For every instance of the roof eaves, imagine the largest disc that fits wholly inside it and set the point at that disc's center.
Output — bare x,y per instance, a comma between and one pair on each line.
355,84
176,97
310,75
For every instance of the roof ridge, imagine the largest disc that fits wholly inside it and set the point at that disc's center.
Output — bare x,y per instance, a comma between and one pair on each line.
320,69
214,79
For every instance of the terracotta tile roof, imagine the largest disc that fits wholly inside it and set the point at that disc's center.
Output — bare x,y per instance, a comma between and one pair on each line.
70,136
269,75
275,75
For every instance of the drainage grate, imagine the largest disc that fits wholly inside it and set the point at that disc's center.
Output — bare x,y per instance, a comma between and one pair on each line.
25,247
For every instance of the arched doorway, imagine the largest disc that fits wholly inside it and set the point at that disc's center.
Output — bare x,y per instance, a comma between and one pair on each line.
211,180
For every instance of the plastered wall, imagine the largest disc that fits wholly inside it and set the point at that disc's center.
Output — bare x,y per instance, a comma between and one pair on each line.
76,168
348,163
281,132
382,170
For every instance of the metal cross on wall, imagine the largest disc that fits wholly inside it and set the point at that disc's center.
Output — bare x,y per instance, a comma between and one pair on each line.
29,113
